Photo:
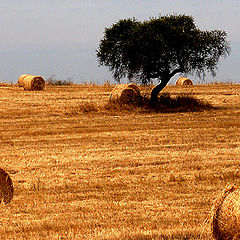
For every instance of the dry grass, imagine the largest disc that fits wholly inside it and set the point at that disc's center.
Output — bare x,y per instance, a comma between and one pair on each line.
54,82
112,174
3,84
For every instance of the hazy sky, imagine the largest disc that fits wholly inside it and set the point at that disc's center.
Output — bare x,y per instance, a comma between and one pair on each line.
60,37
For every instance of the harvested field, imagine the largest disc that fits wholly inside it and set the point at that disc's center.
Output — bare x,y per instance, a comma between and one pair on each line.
115,175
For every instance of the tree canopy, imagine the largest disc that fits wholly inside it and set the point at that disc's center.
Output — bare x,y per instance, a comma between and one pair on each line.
159,48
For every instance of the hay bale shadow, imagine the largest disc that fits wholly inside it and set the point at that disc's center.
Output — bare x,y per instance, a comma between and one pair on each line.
164,104
6,187
180,103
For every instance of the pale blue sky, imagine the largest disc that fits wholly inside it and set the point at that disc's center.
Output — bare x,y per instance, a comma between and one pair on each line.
60,37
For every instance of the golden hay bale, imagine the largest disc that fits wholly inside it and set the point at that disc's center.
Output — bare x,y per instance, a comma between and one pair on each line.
184,81
226,215
6,187
20,79
31,82
126,94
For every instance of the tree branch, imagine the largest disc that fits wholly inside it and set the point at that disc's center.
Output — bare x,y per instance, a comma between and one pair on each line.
178,70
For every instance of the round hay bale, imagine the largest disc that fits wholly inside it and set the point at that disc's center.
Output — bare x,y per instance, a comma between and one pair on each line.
226,215
126,94
31,83
20,79
6,187
184,81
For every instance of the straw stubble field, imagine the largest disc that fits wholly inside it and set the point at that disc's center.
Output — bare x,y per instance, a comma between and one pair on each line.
115,175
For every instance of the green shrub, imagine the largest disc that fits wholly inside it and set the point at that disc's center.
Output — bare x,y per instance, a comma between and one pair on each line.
54,82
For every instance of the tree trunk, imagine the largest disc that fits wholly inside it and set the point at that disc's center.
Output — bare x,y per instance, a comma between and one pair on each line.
164,81
156,90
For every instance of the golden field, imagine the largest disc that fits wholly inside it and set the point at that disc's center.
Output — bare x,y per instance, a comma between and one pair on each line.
84,174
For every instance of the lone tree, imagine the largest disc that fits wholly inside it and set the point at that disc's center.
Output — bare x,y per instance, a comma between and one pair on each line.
159,48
